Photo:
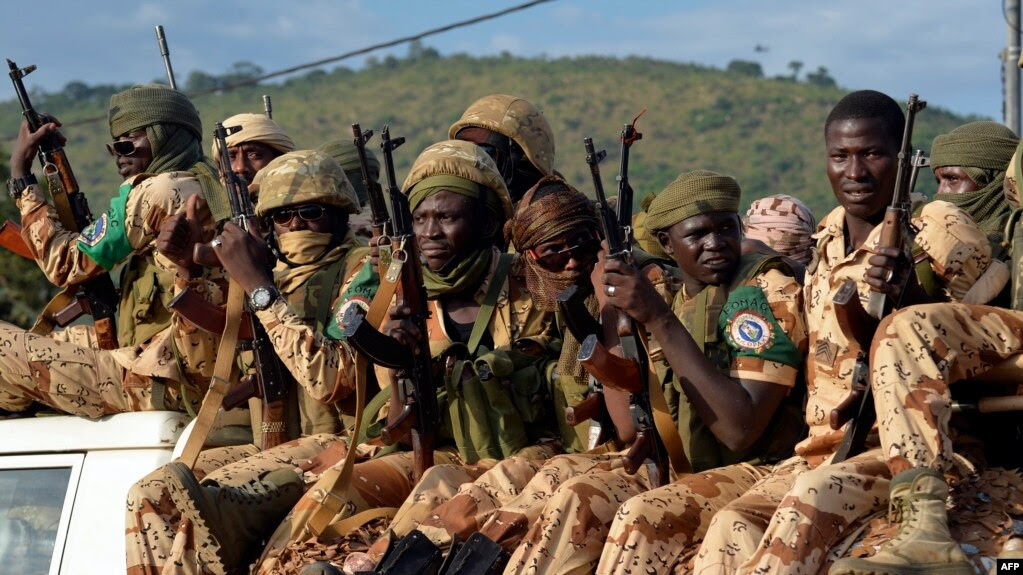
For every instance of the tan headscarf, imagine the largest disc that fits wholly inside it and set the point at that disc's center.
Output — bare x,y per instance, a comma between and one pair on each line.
783,223
255,128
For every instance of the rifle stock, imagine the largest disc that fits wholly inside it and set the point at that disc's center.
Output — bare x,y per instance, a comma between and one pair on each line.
10,238
208,317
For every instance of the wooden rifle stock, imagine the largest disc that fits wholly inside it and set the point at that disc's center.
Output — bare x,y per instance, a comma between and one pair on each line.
208,317
589,408
610,369
10,238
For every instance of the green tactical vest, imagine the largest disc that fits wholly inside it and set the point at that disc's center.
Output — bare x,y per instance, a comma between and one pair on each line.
311,303
495,402
146,291
700,317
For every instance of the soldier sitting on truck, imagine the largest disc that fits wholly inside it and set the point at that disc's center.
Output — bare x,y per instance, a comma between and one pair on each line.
161,363
305,199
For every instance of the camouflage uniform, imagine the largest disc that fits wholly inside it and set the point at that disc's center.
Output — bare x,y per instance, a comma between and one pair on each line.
788,521
79,379
316,364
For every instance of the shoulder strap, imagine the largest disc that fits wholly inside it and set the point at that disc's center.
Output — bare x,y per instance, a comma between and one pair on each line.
329,282
479,327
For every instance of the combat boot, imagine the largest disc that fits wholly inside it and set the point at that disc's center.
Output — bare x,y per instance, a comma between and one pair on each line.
923,544
228,522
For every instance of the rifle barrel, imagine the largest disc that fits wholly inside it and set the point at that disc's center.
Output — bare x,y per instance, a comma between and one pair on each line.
161,39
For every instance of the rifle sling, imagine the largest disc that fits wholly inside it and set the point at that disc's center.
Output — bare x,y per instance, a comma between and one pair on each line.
61,202
333,485
479,327
221,380
665,424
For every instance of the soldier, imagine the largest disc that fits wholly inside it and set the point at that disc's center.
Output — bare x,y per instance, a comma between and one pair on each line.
259,141
306,200
917,353
515,134
554,228
162,363
814,505
738,402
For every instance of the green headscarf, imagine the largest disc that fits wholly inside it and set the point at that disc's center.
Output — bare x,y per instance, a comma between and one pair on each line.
174,131
692,193
983,149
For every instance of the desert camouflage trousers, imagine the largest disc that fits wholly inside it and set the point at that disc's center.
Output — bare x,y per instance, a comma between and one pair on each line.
68,372
537,508
916,354
653,530
790,519
153,538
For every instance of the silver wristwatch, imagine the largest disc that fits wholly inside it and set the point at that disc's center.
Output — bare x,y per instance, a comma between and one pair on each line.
263,297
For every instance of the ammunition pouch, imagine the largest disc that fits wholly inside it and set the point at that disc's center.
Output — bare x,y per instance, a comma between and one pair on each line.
498,402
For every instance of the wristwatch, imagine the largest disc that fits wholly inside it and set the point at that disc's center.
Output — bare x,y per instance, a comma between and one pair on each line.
15,186
263,297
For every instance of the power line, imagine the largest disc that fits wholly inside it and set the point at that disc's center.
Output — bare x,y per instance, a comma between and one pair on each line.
318,63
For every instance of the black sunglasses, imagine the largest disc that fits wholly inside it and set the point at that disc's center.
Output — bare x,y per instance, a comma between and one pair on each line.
122,147
308,213
559,259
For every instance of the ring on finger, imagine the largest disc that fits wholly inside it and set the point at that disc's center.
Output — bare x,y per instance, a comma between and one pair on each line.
216,242
888,277
610,291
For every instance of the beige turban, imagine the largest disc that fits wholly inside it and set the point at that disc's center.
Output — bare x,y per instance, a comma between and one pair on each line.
783,223
692,193
256,128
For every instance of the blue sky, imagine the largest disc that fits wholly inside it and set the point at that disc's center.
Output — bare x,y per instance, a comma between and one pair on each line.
945,50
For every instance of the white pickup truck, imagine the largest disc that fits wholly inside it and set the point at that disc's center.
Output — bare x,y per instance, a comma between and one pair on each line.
63,482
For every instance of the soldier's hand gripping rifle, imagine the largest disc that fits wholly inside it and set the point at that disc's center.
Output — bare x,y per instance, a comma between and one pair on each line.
858,407
414,413
381,220
619,358
97,296
268,379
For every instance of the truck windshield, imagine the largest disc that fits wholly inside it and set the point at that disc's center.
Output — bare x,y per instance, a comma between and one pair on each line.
31,501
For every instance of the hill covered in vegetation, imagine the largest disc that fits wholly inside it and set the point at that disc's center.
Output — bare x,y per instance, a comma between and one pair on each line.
767,132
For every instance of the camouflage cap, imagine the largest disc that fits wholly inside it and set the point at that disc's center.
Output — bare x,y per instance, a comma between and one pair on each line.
255,128
517,119
147,104
303,177
464,160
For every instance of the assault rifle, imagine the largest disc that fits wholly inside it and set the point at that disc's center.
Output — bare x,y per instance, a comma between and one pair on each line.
97,296
618,358
268,379
414,393
858,407
381,220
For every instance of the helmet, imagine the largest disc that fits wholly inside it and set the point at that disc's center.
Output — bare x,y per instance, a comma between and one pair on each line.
516,119
302,177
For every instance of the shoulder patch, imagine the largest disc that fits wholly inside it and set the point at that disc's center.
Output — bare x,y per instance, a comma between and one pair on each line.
339,315
95,232
750,330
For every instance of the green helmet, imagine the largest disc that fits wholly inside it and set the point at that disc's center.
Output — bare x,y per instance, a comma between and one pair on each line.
517,119
303,177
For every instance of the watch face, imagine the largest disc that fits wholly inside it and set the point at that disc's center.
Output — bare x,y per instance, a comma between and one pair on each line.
261,298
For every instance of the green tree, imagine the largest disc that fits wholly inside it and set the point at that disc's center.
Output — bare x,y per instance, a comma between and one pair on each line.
745,68
820,77
795,66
